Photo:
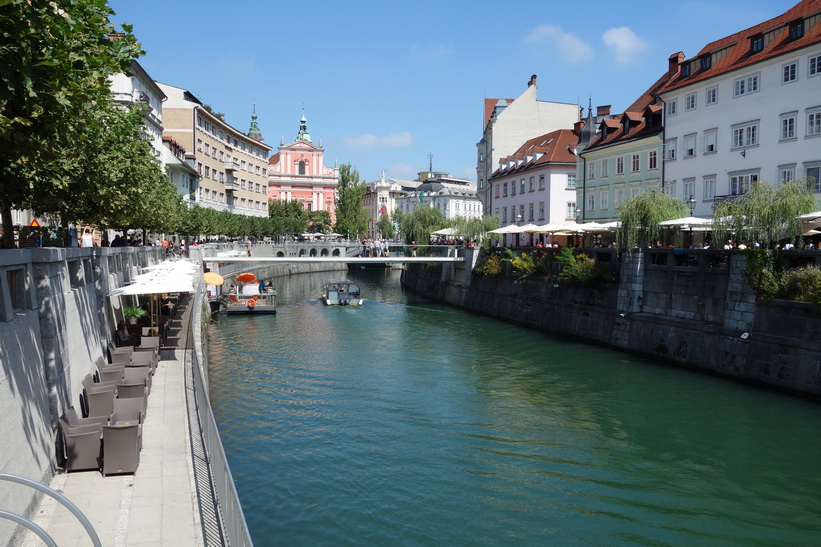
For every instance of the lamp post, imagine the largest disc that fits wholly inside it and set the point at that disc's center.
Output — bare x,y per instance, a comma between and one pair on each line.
691,204
518,234
578,216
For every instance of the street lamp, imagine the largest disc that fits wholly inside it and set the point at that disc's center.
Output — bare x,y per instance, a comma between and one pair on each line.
691,204
518,219
518,235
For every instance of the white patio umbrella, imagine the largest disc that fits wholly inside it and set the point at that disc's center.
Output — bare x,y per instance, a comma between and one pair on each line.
811,220
509,229
444,232
687,222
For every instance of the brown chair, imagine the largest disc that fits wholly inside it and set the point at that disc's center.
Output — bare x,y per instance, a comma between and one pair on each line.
81,444
121,448
134,391
73,419
100,403
126,412
140,358
110,374
120,358
138,375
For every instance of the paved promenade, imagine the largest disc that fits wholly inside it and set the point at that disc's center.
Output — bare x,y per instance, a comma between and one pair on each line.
159,505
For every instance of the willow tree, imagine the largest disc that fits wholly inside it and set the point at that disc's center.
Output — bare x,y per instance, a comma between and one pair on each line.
474,228
765,214
417,225
640,217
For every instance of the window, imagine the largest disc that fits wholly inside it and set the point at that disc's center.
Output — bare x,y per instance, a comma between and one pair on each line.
214,152
199,145
541,210
504,214
541,181
571,181
746,85
604,168
635,192
706,62
710,141
689,187
690,102
532,184
672,107
745,135
740,184
570,212
521,211
591,202
497,190
207,149
756,44
814,174
711,95
504,191
670,188
670,150
787,127
814,66
603,200
513,188
591,171
653,159
634,162
685,70
242,166
207,172
796,30
710,187
620,165
619,197
301,167
814,123
530,212
786,173
522,186
789,73
689,146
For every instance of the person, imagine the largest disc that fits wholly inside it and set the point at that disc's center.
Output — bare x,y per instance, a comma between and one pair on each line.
728,245
742,245
123,337
248,247
413,248
262,287
87,240
118,241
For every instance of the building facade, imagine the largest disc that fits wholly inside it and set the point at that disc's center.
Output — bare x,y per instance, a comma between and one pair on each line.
510,122
230,163
747,107
139,88
537,183
452,196
297,172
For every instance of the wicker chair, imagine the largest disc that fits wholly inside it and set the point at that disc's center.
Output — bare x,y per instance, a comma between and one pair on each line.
81,444
121,448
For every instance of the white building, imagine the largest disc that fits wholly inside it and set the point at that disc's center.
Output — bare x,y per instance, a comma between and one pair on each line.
746,108
454,197
510,122
139,88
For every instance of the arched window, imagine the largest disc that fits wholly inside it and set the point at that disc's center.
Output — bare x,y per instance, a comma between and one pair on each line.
302,168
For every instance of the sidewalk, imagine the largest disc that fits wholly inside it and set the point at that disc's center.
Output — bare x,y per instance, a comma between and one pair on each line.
159,504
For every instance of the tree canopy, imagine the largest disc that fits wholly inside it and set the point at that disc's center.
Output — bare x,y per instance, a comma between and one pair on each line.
351,216
417,225
640,217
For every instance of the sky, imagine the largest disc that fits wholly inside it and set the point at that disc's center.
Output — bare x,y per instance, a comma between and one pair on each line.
386,84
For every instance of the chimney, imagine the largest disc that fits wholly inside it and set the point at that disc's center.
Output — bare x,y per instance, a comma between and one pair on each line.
603,110
532,81
673,63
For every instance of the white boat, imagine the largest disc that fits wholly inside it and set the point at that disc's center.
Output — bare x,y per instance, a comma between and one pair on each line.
341,293
249,301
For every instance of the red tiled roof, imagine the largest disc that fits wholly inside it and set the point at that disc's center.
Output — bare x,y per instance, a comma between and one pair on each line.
273,160
555,147
490,105
739,53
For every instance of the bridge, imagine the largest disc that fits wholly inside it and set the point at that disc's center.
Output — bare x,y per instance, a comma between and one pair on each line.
321,252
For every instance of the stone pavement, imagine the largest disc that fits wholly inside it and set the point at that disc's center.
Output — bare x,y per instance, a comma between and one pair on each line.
159,505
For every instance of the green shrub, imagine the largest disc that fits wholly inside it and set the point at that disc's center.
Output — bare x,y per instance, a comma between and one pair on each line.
802,285
583,268
491,264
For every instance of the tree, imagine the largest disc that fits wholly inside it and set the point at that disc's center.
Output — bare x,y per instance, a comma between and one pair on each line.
55,60
640,217
351,216
419,223
385,227
474,228
320,221
764,214
288,216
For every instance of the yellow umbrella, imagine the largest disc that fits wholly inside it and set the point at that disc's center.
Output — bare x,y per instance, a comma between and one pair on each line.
213,278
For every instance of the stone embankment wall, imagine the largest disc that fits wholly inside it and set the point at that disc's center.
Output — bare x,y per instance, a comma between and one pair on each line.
693,309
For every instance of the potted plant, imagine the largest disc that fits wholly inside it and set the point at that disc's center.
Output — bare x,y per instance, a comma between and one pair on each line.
132,313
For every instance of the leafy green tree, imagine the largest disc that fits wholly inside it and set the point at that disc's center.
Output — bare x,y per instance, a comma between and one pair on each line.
55,60
351,216
765,214
320,221
417,225
475,228
289,216
640,217
385,227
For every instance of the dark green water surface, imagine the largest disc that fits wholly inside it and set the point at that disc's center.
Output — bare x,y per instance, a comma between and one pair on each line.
405,422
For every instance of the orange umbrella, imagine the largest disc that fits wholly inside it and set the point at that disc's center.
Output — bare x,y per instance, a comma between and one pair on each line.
245,277
213,278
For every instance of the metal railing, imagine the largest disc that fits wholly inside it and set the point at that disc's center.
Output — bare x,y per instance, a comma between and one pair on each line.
42,534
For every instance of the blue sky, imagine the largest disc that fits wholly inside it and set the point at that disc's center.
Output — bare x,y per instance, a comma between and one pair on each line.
384,84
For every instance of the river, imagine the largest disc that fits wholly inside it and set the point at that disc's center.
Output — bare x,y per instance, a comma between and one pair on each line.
405,422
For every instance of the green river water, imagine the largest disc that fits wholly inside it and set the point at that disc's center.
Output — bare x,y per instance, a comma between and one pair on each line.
405,422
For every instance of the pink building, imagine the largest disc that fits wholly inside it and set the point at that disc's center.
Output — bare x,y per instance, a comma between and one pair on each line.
297,173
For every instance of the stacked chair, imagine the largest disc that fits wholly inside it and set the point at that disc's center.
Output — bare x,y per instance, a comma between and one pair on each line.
114,404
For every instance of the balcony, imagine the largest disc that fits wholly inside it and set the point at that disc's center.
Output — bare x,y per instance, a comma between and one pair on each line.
231,184
231,166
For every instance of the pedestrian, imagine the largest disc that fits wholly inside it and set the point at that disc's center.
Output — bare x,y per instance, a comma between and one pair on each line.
413,248
87,240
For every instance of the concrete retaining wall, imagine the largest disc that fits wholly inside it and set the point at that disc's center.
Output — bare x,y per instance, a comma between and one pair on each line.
690,309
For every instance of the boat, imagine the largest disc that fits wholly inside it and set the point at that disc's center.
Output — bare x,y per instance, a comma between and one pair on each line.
341,292
249,301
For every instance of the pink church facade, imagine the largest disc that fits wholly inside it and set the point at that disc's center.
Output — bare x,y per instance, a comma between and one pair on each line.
297,173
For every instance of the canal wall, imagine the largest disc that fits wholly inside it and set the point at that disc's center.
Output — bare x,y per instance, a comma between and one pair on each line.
691,309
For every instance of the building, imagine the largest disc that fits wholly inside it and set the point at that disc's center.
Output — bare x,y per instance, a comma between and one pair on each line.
537,183
381,199
747,107
620,157
453,196
231,163
179,166
510,122
297,172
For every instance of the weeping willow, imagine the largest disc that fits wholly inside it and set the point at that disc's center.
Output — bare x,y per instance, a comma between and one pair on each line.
765,214
475,228
640,217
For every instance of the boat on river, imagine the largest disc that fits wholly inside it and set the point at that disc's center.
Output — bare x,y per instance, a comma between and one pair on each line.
249,301
341,293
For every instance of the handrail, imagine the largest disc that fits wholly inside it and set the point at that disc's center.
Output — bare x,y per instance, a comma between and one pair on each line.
57,496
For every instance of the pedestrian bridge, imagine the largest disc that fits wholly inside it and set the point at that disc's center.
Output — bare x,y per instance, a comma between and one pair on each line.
320,252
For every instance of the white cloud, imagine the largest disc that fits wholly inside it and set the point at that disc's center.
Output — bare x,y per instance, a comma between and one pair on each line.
369,140
625,44
574,50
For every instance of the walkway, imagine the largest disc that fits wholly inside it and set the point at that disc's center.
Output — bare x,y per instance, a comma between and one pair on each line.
160,504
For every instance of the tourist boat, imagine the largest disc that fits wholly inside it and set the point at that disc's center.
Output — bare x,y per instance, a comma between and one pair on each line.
341,293
249,301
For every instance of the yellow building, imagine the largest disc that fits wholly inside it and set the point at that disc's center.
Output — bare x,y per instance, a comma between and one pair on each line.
231,164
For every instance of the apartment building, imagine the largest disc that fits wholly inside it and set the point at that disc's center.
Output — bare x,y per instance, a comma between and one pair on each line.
747,107
231,164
